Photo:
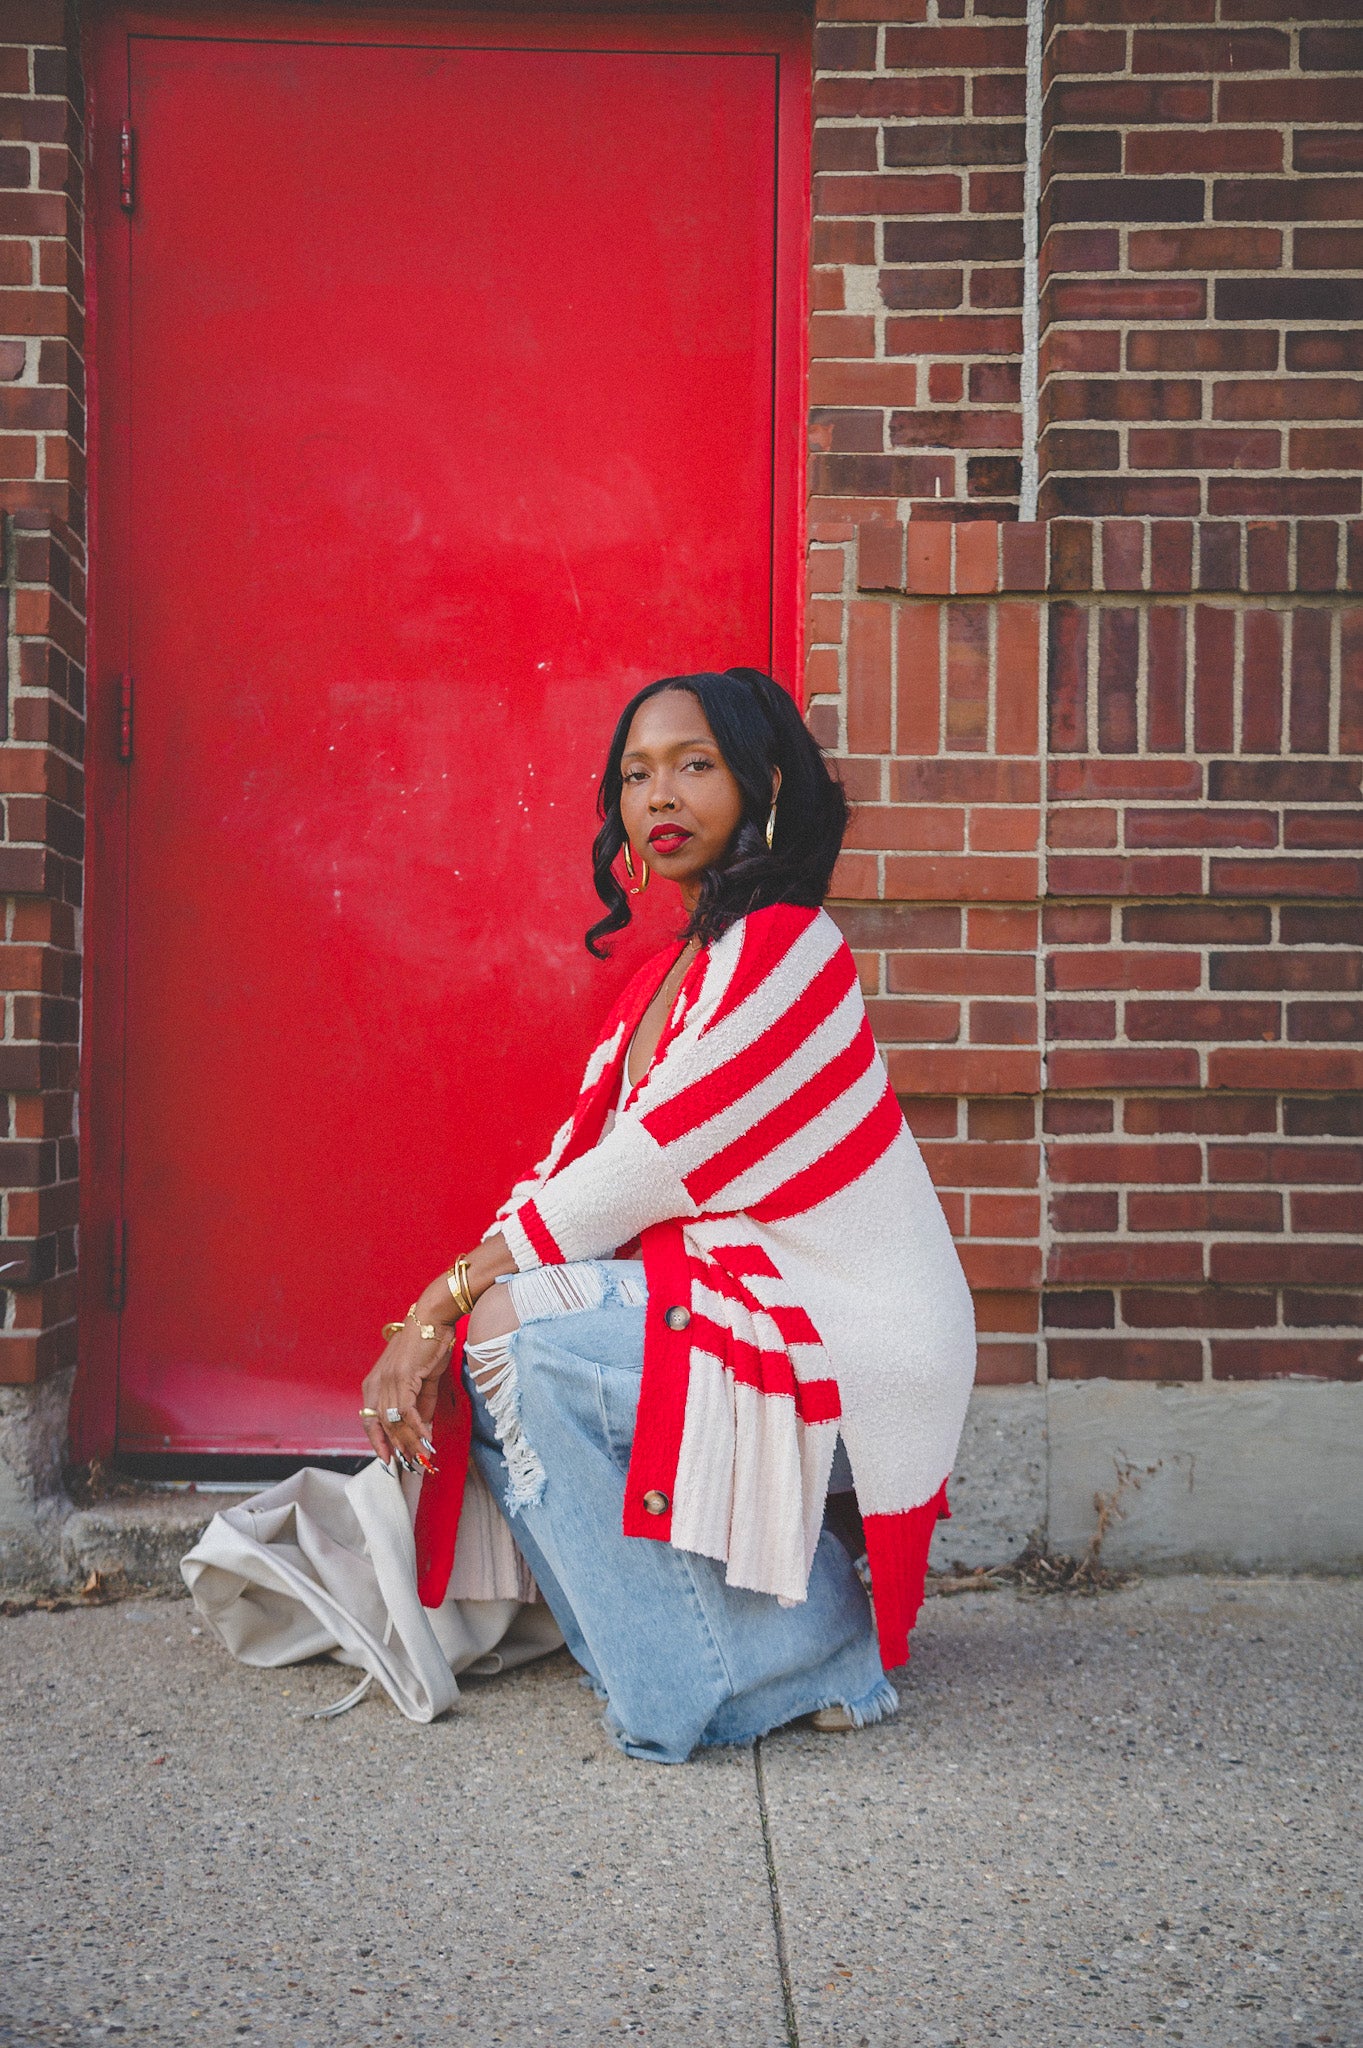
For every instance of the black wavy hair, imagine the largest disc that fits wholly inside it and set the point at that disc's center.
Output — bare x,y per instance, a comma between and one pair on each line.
758,729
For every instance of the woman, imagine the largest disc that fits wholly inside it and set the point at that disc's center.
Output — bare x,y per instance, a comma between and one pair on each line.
730,1258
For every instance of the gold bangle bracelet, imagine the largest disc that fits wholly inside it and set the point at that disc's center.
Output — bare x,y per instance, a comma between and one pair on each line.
457,1280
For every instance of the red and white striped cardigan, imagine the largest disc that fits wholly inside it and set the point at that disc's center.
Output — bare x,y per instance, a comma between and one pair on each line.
802,1281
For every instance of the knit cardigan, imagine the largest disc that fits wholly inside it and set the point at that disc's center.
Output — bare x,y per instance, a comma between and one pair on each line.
802,1281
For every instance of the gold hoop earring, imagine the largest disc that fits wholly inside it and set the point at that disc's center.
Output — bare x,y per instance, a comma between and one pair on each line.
640,886
771,826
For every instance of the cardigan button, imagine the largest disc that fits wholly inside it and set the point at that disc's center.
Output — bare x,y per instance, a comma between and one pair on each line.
677,1318
656,1503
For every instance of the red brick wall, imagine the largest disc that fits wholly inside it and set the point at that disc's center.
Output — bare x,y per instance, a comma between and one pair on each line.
1202,243
1202,952
916,338
42,434
1170,1146
1189,876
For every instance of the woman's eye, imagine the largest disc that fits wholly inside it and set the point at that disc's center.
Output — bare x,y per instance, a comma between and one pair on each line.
699,762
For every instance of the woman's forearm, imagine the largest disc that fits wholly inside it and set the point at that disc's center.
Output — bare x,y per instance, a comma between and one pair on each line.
486,1263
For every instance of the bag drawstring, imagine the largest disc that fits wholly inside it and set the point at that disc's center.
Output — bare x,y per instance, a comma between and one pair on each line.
352,1698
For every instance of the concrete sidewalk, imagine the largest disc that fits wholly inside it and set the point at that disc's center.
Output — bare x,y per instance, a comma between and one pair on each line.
1126,1818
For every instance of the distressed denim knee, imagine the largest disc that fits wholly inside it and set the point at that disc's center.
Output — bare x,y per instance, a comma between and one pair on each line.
544,1293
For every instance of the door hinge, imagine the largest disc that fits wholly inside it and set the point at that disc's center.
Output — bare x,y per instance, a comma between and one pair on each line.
125,167
118,1263
125,717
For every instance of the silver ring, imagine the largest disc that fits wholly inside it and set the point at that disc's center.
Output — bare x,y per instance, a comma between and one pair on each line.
392,1415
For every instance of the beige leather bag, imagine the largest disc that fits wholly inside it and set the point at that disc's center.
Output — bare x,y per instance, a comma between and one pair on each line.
322,1565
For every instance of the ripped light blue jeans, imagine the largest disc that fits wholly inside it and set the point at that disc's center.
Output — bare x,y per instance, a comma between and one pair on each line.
680,1657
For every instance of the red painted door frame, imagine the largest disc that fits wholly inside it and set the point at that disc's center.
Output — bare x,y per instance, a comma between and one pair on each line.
781,34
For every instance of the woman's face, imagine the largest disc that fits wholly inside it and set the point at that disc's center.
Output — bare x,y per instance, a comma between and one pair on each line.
679,800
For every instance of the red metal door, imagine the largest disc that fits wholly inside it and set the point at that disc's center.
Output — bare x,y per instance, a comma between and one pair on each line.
437,411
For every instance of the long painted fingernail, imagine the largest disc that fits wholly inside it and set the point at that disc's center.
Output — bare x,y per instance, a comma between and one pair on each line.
428,1446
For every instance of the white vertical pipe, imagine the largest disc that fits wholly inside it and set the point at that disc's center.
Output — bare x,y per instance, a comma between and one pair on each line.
1031,309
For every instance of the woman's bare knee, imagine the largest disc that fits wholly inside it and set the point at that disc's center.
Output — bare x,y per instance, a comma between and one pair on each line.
494,1315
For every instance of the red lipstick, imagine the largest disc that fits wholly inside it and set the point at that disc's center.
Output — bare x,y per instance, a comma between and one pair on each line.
668,838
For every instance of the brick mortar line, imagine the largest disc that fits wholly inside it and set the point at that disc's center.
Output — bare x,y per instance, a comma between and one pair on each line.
1093,599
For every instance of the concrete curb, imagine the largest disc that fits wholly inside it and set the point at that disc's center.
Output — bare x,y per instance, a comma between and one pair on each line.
139,1538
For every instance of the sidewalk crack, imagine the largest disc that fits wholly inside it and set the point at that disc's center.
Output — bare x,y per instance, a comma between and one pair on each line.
777,1916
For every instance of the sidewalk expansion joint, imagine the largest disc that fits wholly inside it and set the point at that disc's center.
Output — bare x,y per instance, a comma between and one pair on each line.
777,1916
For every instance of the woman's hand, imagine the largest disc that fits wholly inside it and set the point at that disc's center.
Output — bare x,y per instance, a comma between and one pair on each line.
407,1376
